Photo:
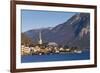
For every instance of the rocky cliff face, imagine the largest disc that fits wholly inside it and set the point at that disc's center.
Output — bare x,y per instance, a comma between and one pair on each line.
73,32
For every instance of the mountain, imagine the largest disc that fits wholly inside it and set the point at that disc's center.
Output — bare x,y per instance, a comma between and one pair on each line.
34,34
73,32
25,39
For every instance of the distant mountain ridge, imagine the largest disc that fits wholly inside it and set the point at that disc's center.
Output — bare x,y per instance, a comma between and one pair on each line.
73,32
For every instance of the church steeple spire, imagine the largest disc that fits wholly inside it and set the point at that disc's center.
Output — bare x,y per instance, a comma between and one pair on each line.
40,37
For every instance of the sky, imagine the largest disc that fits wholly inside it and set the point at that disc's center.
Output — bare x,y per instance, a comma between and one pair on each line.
35,19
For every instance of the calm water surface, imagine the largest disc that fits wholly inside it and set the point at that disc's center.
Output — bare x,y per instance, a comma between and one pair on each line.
56,57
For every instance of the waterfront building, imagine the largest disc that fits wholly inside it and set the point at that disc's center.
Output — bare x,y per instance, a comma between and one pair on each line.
25,50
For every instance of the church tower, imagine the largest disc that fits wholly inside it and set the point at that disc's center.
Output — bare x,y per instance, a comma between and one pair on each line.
40,38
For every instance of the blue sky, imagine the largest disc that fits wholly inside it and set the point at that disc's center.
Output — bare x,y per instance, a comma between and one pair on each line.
35,19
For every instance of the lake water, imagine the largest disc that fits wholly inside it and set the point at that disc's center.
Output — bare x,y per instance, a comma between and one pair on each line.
56,57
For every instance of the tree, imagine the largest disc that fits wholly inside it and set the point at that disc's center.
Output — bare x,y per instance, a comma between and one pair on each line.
66,46
25,40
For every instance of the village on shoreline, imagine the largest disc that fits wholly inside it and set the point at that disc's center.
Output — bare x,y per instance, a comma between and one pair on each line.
51,48
47,48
